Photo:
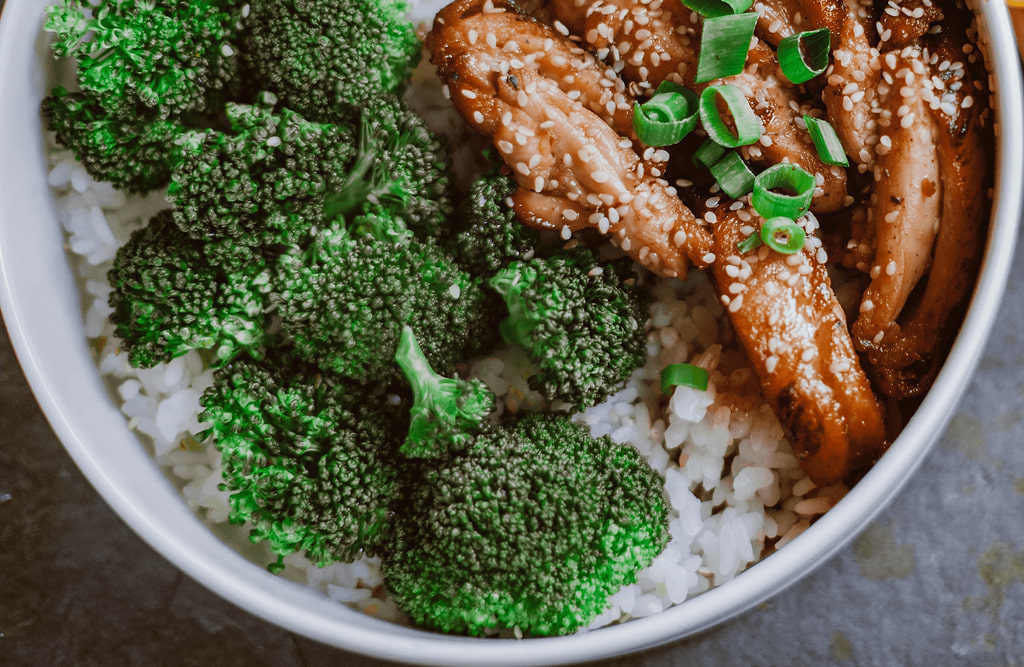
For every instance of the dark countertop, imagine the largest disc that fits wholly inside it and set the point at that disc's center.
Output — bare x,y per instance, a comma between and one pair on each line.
938,579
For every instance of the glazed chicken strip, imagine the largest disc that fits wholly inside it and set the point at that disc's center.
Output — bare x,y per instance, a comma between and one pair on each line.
908,21
793,329
850,93
650,42
907,201
550,109
906,353
778,19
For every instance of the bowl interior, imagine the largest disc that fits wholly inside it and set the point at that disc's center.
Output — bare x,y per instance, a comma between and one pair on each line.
43,312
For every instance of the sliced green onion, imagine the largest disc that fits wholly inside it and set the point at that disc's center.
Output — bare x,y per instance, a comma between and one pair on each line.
723,45
732,175
716,8
830,149
804,55
783,176
667,117
683,375
708,154
792,233
749,243
748,127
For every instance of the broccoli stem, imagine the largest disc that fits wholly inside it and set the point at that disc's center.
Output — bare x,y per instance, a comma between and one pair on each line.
510,283
446,412
425,382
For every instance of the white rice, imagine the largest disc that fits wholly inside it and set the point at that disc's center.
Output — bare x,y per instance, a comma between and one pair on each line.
735,487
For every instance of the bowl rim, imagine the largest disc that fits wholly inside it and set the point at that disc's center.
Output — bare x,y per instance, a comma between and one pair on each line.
297,611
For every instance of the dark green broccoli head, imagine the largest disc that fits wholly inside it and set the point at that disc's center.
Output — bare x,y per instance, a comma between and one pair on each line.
489,234
326,56
446,412
134,155
309,459
139,57
344,300
534,526
401,167
262,184
168,298
581,321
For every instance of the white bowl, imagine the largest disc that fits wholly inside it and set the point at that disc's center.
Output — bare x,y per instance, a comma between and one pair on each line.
43,311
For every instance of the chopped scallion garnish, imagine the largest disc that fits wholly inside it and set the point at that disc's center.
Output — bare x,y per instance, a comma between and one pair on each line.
804,55
783,235
716,8
667,117
733,175
683,375
724,43
708,154
749,243
748,127
791,204
830,149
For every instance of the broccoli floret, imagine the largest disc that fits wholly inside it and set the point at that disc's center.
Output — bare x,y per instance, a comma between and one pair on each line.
145,58
344,300
402,168
446,412
308,459
168,298
581,322
277,175
132,154
327,56
489,235
534,526
262,184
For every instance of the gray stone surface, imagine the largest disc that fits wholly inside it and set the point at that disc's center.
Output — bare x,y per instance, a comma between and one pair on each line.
938,579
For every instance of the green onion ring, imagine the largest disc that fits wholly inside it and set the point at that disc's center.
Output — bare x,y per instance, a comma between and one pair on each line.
683,375
724,43
667,117
751,242
708,154
716,8
732,175
804,55
830,148
795,235
748,127
786,176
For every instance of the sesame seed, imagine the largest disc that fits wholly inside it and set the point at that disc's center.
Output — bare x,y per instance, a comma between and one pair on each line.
478,117
455,291
866,306
770,363
522,168
709,258
599,177
566,233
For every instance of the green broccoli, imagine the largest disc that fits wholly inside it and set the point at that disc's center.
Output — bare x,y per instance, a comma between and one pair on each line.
344,299
534,526
401,167
277,176
308,459
489,235
446,412
581,322
168,298
324,57
263,184
132,154
144,58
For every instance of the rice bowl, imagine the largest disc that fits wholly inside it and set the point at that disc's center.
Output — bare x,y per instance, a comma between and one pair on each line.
166,420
